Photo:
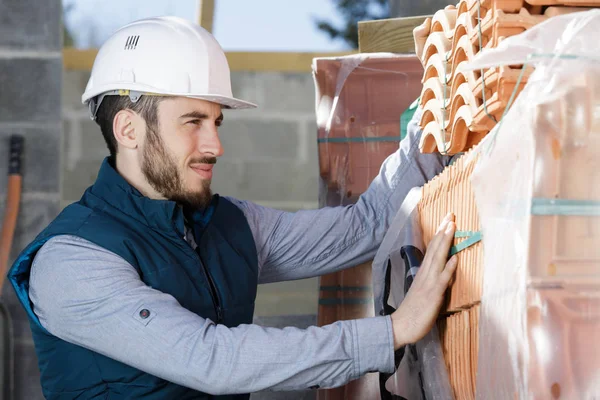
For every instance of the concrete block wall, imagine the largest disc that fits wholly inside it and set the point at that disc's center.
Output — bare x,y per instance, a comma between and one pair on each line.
270,158
30,82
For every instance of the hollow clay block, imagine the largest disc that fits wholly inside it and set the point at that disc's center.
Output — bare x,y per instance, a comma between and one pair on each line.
499,24
502,80
555,11
569,149
575,3
433,89
510,6
485,121
437,42
438,67
562,331
444,21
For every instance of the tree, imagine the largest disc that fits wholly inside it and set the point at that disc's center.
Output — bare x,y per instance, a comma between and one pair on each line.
353,11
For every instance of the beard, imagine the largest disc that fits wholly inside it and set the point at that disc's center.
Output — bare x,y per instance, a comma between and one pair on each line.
160,169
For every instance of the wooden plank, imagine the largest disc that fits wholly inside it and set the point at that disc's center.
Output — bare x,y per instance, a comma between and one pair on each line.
275,61
394,35
83,60
207,13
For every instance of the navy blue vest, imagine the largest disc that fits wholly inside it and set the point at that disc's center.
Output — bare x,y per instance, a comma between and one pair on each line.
217,281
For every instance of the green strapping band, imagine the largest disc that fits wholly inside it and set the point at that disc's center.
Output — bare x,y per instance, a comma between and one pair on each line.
472,238
359,139
583,208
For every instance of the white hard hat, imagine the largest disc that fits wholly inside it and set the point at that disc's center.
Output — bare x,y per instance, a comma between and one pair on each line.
168,56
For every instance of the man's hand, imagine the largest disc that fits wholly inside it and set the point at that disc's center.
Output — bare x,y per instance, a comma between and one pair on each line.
417,313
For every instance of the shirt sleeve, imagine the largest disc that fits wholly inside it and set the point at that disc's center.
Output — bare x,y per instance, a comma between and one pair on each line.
308,243
91,297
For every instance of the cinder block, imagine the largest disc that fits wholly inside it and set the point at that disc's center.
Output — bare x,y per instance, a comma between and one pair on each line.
31,25
227,178
78,179
41,157
17,313
84,149
30,89
279,181
288,92
73,86
34,216
246,86
27,373
246,139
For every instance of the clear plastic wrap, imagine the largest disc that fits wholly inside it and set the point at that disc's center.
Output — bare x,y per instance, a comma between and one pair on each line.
359,102
537,188
421,373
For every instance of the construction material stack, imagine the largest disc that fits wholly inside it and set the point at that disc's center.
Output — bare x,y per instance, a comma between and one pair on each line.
460,106
531,302
359,100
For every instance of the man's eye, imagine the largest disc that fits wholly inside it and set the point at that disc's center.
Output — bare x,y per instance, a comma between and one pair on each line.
218,123
195,122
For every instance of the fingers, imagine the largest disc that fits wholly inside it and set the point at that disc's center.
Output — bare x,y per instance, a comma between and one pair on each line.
440,234
440,255
438,248
448,272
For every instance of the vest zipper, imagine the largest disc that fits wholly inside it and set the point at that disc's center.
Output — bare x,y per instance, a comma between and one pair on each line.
213,292
213,288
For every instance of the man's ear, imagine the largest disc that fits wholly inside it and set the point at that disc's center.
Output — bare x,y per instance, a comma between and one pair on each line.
126,129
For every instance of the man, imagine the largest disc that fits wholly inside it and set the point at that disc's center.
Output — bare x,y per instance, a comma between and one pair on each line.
145,288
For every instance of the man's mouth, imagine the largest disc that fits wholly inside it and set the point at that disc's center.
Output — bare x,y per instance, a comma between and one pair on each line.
204,170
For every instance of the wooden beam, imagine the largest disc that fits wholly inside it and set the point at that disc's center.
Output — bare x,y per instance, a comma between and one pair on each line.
81,60
207,14
275,61
74,59
394,35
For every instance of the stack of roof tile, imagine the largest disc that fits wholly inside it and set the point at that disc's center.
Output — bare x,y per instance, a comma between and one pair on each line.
451,192
461,107
459,337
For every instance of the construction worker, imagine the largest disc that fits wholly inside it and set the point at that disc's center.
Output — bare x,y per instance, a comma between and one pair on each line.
145,288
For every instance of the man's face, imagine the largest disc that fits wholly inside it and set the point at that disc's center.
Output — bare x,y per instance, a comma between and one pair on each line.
178,159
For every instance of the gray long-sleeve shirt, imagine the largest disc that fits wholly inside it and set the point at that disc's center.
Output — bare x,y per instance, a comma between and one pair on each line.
89,296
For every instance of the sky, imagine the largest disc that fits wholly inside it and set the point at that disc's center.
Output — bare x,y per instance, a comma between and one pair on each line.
239,25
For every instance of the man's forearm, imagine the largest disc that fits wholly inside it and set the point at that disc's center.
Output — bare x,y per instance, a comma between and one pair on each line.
97,306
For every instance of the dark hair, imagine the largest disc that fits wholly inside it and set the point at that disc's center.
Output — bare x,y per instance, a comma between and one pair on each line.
146,106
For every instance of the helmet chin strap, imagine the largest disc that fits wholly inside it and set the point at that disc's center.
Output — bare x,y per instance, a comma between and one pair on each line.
94,103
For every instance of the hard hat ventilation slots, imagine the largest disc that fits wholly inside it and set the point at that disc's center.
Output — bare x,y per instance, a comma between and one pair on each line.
131,42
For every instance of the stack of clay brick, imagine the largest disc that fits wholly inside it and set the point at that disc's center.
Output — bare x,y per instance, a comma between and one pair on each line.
461,107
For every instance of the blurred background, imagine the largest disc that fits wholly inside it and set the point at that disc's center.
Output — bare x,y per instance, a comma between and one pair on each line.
46,53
